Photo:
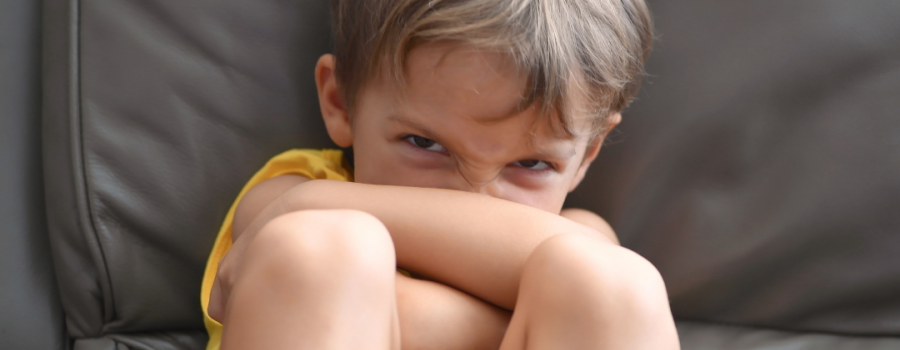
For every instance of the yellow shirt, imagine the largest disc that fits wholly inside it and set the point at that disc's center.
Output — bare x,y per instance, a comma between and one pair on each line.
314,164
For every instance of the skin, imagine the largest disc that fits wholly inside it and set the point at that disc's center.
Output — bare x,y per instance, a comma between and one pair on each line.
458,185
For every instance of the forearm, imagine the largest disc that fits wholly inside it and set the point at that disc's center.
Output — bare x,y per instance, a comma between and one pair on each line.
435,316
589,219
473,242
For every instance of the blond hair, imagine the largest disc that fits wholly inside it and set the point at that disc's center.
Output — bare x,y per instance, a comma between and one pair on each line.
595,46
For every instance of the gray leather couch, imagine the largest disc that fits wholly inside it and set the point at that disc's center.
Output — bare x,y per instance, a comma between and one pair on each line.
759,169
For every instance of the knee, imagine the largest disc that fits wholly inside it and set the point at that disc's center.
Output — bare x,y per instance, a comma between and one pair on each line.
588,272
329,242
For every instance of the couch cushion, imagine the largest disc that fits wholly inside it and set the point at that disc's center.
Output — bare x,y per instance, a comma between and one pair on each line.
709,336
145,341
760,168
30,312
157,112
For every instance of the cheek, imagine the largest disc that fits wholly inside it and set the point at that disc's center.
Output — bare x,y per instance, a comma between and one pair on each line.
375,167
383,165
547,200
545,195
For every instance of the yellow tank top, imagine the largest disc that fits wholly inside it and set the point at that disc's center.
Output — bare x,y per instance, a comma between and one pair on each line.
314,164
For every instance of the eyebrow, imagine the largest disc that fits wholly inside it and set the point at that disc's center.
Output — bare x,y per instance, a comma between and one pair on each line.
406,121
499,118
559,153
483,120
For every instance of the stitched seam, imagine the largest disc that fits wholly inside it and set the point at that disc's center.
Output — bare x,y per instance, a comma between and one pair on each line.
82,192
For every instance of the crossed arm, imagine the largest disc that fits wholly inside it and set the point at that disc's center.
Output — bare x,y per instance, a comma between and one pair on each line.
475,246
475,243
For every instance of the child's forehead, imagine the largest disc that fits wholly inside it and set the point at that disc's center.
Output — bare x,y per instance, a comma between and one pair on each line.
483,84
463,81
447,55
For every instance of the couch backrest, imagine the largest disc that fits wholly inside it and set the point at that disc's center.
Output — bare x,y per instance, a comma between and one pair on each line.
760,168
156,114
30,312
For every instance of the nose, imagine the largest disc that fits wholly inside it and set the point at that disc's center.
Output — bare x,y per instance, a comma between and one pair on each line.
492,189
483,180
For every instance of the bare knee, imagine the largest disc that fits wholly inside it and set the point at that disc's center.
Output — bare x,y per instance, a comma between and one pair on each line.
585,273
323,243
579,293
313,279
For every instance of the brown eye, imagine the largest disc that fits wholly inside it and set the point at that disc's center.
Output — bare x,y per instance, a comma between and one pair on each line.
423,142
426,143
532,164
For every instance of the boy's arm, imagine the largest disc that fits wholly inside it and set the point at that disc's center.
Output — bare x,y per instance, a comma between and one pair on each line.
472,242
589,219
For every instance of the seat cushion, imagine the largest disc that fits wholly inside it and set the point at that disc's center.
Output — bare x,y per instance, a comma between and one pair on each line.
195,340
710,336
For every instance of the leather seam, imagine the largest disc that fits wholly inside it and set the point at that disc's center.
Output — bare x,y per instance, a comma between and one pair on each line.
82,185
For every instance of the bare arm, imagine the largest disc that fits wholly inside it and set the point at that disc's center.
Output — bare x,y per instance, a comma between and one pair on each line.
472,242
435,316
589,219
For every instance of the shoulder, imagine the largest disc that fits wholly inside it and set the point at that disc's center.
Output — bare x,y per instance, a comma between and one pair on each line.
260,196
280,174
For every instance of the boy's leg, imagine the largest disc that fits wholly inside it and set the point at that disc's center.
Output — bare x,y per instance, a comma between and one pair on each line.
315,280
579,293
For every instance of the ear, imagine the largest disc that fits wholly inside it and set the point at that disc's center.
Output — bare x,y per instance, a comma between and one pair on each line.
334,111
593,150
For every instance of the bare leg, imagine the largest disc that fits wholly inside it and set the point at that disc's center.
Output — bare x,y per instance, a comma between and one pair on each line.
315,280
580,293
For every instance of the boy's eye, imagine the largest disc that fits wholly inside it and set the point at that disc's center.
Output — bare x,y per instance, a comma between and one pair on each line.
426,144
532,164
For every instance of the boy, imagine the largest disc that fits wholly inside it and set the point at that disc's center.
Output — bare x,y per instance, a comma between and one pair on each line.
470,121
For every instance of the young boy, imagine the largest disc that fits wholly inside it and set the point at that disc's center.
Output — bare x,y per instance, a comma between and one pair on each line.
470,121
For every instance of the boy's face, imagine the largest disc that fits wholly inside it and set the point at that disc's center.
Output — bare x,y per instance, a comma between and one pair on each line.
457,126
